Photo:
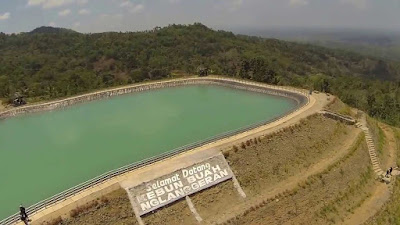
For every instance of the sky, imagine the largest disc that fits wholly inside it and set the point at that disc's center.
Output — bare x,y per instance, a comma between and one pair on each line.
90,16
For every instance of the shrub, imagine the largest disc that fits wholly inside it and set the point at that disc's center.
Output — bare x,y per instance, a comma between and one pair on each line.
226,154
104,200
81,209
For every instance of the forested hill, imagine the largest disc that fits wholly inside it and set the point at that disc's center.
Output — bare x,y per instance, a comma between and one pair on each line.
47,65
51,30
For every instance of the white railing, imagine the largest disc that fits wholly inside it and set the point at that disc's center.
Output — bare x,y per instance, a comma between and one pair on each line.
282,91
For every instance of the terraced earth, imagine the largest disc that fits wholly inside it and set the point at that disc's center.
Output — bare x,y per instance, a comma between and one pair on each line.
318,171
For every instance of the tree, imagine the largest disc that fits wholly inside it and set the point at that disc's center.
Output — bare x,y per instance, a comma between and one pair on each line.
48,64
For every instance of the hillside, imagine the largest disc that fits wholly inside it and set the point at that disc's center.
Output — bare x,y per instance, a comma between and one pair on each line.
51,30
317,171
376,43
48,64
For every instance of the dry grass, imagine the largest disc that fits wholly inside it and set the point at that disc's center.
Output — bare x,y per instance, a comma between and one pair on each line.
176,213
324,198
378,137
55,221
258,163
390,213
216,200
114,208
286,152
79,210
336,105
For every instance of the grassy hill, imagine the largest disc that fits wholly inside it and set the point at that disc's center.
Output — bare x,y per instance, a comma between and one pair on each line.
48,64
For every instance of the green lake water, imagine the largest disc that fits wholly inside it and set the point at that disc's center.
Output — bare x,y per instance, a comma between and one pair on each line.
46,153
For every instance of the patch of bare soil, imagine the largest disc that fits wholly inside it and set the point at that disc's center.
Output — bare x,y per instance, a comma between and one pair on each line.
104,65
324,198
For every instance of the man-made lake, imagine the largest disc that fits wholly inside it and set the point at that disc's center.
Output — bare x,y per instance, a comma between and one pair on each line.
46,153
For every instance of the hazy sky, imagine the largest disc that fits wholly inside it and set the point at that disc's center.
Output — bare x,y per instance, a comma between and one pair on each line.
131,15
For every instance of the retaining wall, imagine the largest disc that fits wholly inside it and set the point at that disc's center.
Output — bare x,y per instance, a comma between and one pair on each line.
342,118
238,84
300,97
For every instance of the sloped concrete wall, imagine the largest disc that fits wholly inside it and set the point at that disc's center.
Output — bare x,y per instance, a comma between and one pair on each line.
243,85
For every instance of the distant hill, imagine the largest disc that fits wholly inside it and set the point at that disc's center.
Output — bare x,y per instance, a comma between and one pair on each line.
51,30
60,62
382,44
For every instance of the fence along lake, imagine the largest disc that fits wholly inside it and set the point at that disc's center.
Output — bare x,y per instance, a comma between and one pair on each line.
46,153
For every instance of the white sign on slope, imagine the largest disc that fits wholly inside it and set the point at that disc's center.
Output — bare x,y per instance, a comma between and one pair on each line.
164,190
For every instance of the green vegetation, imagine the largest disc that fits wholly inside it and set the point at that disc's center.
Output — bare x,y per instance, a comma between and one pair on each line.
339,107
381,139
52,30
390,214
391,51
346,111
377,133
47,64
397,136
377,43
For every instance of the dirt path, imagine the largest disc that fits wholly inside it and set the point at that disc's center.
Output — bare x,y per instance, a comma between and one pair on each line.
291,182
382,191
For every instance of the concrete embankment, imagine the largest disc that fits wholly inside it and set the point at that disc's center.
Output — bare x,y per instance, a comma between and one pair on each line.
238,84
306,105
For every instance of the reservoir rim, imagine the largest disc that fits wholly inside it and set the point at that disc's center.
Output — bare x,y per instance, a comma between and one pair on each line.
294,94
300,96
